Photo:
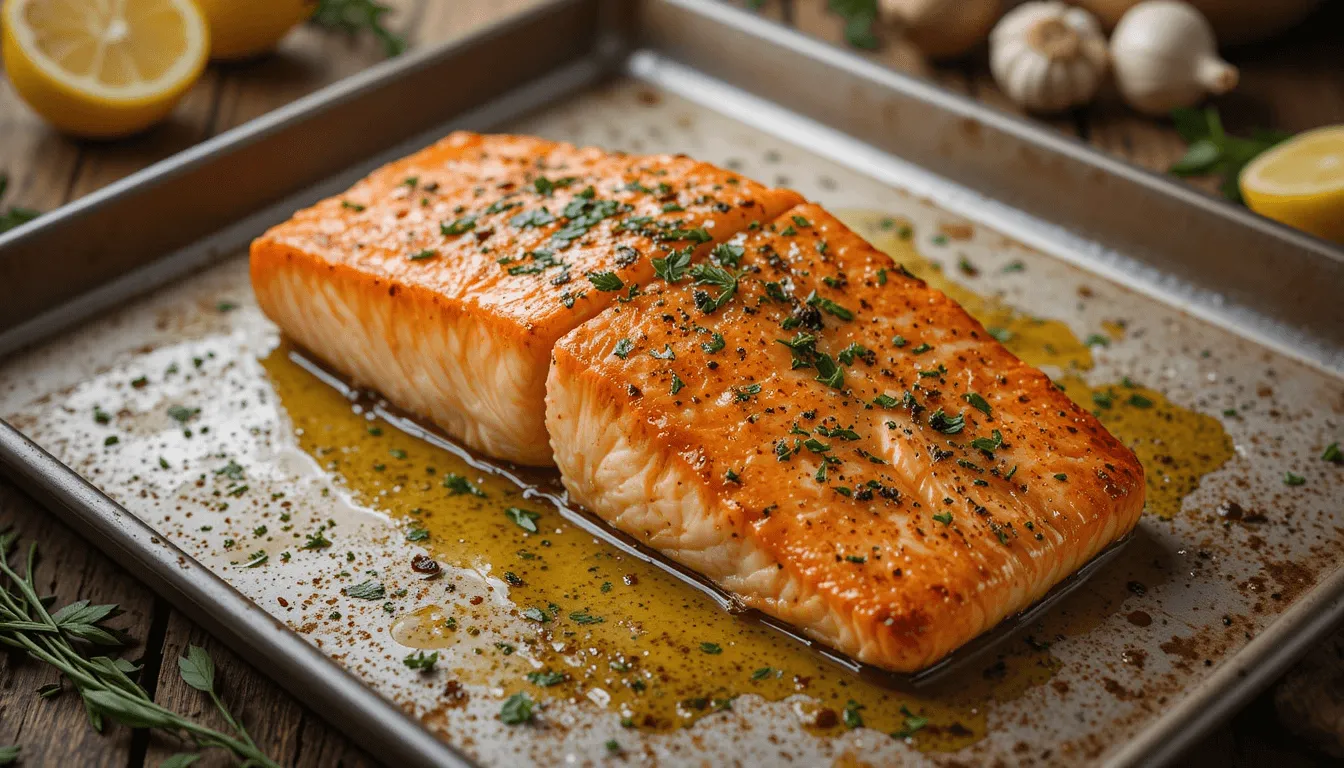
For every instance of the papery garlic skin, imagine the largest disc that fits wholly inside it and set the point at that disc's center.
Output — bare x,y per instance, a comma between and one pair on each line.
1047,56
1165,56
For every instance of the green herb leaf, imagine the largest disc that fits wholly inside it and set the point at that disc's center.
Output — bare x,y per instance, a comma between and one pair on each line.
197,669
977,402
673,267
605,281
517,709
1291,479
523,518
945,423
422,661
713,649
546,679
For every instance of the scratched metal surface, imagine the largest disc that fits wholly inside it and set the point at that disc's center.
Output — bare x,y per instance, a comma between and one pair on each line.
1209,585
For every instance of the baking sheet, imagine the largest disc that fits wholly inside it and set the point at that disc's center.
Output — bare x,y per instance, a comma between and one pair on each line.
1208,583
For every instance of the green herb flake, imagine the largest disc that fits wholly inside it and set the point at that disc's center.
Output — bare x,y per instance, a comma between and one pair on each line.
523,518
713,649
605,281
977,402
1293,480
623,348
945,518
458,227
516,710
422,661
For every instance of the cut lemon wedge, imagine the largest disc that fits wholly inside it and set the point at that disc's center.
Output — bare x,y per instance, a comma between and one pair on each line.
103,68
1301,183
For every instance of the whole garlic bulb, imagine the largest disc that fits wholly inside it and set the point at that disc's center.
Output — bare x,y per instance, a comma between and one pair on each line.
1047,56
942,29
1165,57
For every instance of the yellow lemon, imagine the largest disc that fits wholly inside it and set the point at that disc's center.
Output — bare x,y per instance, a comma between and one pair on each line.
1301,183
103,69
240,29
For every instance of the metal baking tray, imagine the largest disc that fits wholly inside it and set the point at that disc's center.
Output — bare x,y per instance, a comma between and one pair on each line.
1226,312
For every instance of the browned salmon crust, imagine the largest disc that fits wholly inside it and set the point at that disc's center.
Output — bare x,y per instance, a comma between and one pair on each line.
444,279
833,441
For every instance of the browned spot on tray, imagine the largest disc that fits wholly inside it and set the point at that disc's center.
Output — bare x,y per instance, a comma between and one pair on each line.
957,230
1139,618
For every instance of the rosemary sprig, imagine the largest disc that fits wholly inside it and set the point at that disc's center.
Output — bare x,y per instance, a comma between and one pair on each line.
355,16
102,682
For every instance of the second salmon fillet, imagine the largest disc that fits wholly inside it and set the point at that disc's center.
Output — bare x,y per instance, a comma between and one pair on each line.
838,445
444,279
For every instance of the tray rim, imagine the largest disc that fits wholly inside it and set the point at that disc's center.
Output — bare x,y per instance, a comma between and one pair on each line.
113,529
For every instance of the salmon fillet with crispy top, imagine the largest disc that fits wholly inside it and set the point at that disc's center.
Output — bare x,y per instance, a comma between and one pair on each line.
444,279
835,443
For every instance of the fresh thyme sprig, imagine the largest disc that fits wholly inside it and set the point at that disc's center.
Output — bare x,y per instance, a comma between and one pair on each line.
355,16
102,682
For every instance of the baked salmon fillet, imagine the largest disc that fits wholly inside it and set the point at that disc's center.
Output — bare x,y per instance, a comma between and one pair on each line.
838,445
444,279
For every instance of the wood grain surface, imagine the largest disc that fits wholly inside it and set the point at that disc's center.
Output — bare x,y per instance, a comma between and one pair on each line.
1294,83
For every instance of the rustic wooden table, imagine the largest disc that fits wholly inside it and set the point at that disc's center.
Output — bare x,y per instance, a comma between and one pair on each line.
1291,84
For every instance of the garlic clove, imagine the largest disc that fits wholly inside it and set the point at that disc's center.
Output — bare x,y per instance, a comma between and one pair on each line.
1047,56
942,28
1165,56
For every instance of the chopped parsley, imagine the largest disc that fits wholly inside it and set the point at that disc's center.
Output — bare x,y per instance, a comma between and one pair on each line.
458,485
523,518
422,661
945,518
584,617
516,710
546,679
665,354
714,344
977,402
623,348
851,715
713,649
828,306
947,424
828,372
1139,401
458,227
673,267
1291,479
605,281
428,253
708,274
1333,454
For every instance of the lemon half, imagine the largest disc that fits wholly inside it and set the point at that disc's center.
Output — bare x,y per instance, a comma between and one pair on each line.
103,68
1301,183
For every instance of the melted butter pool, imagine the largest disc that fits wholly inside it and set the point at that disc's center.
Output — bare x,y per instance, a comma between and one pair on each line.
1177,446
558,614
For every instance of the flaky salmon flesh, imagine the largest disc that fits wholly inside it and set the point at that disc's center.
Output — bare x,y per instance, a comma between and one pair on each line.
721,370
